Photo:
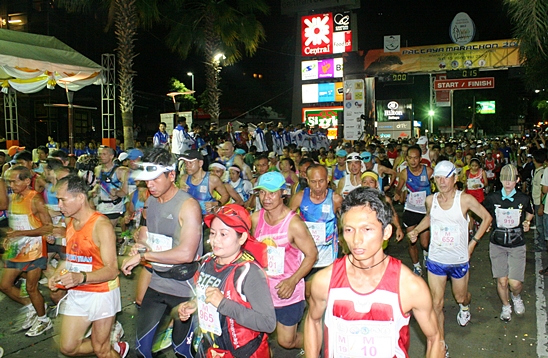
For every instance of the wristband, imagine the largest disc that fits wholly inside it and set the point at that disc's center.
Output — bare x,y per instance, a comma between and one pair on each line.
85,277
476,240
142,254
527,221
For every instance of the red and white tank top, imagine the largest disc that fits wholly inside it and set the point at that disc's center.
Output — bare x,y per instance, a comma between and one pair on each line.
365,325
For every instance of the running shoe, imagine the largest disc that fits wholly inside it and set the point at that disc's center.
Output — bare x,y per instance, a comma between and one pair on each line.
506,314
1,352
43,281
122,348
30,319
39,327
117,332
463,317
163,341
447,351
519,307
300,354
417,270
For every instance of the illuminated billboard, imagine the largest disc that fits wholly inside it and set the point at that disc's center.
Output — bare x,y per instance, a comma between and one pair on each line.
394,110
324,117
485,107
326,68
326,34
322,92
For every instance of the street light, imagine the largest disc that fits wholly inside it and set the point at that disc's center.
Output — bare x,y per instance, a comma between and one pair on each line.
431,113
191,75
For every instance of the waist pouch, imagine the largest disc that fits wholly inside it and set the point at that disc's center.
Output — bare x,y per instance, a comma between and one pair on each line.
115,201
507,237
181,272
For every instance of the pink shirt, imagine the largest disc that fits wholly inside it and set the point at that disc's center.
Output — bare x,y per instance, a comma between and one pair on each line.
292,258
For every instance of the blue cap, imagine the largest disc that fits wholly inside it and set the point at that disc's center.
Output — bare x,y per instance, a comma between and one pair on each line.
366,157
239,151
341,153
134,154
271,181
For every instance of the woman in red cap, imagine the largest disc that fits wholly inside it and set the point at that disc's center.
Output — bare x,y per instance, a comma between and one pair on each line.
234,310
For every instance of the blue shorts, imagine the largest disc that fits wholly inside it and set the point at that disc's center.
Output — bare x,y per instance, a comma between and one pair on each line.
290,315
455,271
40,263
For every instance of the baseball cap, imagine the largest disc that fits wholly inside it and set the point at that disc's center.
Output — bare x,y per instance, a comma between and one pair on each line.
123,156
341,153
444,169
366,157
422,140
239,151
271,181
353,156
488,151
232,215
134,154
272,155
192,154
14,149
509,173
150,171
304,149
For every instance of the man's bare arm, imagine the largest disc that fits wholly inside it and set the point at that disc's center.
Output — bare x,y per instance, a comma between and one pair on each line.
317,303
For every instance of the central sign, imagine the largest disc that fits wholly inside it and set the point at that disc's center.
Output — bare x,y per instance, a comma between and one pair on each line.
463,84
326,34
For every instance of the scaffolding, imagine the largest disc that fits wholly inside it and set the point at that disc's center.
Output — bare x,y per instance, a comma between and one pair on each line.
108,100
11,118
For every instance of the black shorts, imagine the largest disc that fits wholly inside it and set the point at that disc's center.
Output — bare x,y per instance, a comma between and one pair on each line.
113,216
40,263
411,218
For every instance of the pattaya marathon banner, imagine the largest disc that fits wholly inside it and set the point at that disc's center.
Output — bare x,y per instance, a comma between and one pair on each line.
483,55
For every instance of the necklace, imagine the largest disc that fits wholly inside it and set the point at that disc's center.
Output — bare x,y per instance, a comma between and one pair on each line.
368,267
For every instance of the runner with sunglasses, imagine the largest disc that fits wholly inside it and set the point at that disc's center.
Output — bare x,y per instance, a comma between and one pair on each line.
233,312
172,237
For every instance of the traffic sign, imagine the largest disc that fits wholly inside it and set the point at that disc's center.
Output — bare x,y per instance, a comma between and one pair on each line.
464,83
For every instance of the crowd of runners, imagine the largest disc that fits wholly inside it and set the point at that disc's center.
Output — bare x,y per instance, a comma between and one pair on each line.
278,229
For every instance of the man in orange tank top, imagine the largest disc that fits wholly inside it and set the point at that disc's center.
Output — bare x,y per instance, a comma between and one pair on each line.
90,273
26,248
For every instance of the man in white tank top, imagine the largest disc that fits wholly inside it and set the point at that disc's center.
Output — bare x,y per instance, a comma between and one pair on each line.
450,248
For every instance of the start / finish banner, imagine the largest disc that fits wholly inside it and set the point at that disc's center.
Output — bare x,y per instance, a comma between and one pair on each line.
486,55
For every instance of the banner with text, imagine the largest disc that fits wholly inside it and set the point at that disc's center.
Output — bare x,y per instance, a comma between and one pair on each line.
354,108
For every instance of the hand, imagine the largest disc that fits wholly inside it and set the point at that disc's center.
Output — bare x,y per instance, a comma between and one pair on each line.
52,282
540,211
186,309
526,226
135,249
11,234
471,246
211,205
399,234
50,239
59,231
127,219
69,279
286,288
413,235
129,263
213,296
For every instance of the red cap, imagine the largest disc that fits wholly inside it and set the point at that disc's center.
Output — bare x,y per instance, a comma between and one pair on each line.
232,215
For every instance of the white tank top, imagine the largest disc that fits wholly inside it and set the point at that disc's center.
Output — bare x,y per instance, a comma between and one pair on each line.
448,233
348,187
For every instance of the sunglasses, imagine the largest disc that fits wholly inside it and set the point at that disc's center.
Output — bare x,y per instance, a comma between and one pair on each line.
153,168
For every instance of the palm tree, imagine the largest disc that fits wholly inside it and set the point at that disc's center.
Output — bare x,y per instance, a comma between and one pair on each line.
530,19
127,16
212,28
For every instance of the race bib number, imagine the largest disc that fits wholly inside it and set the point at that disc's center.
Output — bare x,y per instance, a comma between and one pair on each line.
474,183
417,198
158,243
78,267
358,339
203,189
317,230
445,235
507,218
24,248
276,259
490,174
208,316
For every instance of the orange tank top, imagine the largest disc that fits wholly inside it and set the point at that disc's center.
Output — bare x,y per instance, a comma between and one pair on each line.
84,256
20,217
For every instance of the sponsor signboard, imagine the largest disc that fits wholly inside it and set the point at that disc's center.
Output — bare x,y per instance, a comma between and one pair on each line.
319,37
322,92
321,69
395,129
392,43
354,108
464,83
439,58
324,117
394,110
462,29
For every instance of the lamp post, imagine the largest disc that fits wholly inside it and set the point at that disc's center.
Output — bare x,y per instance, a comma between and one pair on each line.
192,76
